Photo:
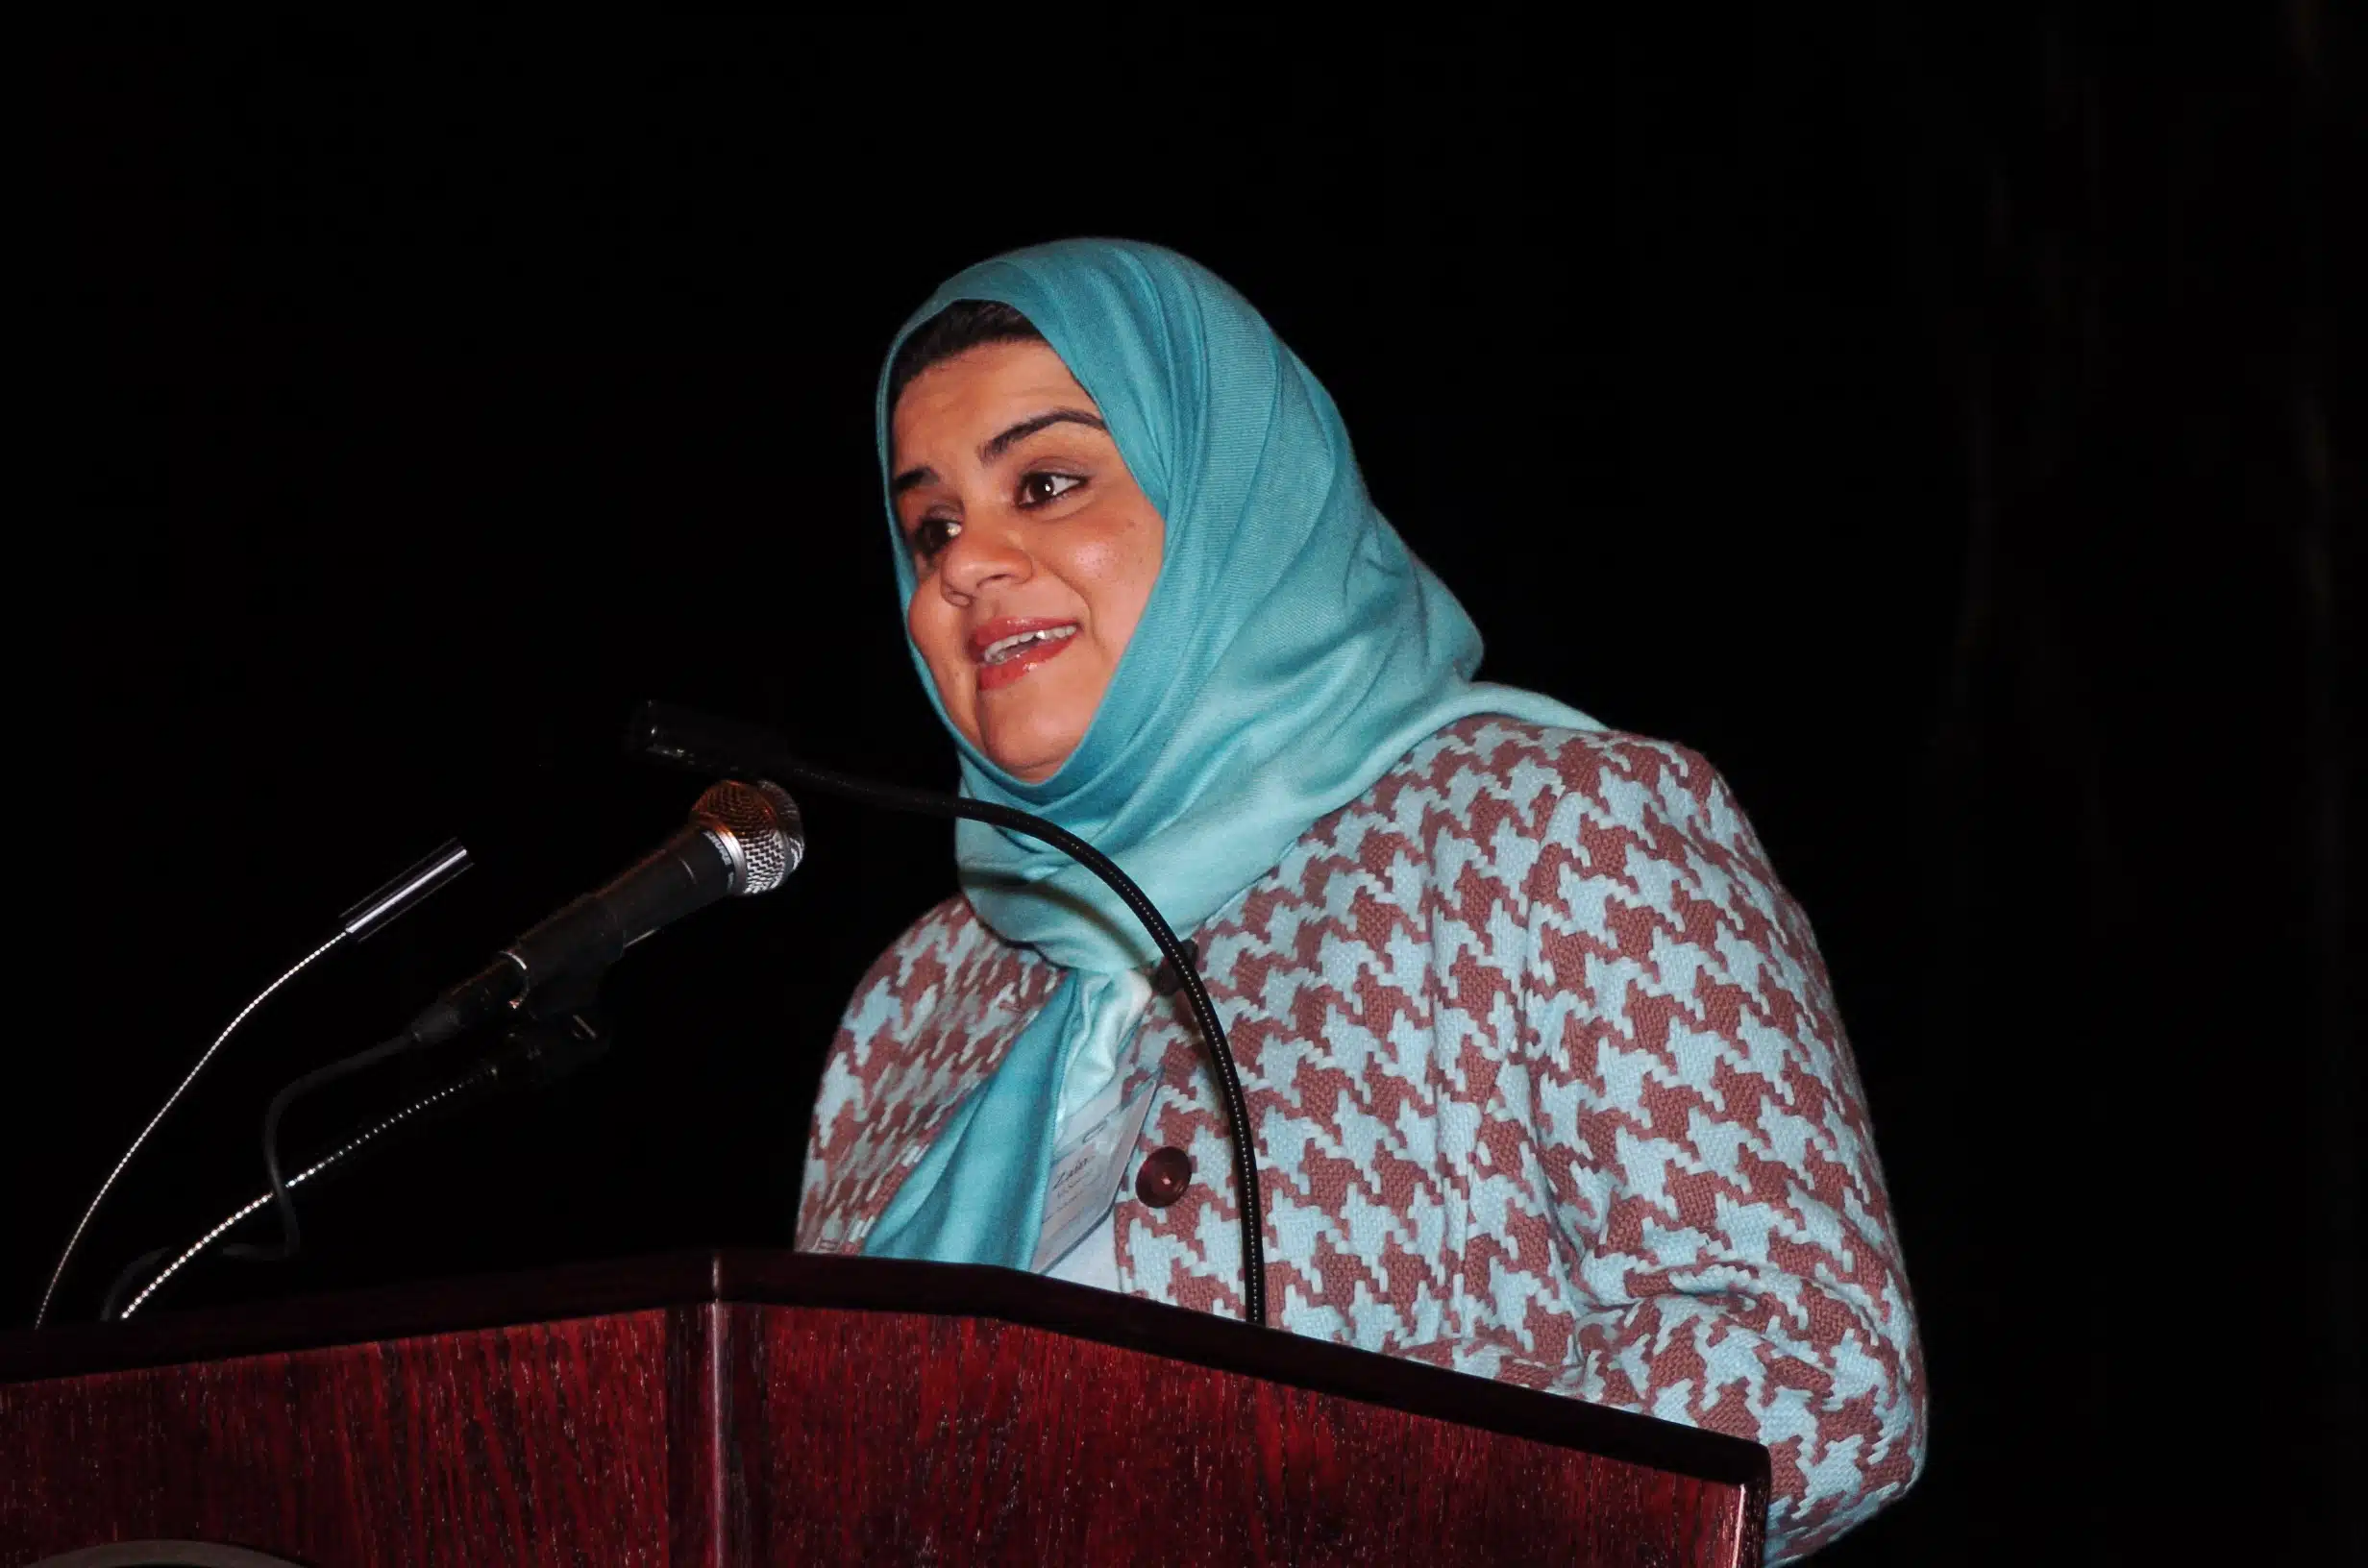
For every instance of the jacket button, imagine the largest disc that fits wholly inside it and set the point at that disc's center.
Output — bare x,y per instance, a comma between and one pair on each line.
1165,981
1163,1176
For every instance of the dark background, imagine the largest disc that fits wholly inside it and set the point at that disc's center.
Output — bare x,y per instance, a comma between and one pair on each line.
1935,424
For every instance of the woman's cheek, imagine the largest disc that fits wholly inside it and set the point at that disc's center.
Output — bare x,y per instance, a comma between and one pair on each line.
939,639
1114,563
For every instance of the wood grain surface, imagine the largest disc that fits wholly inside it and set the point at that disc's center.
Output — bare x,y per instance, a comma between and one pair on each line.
938,1440
544,1443
768,1409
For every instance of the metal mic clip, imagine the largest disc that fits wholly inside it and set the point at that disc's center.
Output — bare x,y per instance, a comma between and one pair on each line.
405,892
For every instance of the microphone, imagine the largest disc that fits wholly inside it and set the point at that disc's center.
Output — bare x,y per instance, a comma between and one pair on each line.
742,839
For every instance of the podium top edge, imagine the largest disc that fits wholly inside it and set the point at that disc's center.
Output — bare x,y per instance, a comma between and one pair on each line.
780,1278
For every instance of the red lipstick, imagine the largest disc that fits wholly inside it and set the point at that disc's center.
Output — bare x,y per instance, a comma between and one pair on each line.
998,666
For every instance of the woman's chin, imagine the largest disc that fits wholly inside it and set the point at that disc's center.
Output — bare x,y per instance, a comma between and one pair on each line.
1029,728
1029,752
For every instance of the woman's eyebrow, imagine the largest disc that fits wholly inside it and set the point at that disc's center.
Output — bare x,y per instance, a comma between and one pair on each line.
1003,443
1026,427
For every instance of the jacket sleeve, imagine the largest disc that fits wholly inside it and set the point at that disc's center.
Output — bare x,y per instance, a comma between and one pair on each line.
864,1098
1710,1171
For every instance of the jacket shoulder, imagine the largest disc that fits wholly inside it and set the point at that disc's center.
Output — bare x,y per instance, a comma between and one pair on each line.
1494,765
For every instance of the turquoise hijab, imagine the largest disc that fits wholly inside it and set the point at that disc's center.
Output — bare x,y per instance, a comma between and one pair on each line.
1293,652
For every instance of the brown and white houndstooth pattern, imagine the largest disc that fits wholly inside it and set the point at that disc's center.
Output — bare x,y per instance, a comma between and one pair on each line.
1547,1084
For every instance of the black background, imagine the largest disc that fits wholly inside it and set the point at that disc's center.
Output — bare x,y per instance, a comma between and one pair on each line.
1932,425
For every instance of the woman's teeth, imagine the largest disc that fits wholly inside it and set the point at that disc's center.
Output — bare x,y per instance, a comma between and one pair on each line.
1005,648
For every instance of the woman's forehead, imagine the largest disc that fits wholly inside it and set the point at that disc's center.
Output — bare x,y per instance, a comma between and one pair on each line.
980,392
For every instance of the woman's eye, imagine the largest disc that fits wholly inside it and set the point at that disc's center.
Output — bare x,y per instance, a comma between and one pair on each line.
1035,489
934,534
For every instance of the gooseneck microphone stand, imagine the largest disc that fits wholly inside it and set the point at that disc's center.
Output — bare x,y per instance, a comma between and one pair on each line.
742,839
533,1052
355,925
558,1033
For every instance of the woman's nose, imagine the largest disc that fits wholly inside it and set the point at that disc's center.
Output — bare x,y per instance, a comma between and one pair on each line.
980,555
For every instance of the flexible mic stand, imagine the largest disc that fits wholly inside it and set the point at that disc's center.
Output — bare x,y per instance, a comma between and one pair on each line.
565,996
555,1035
358,924
708,744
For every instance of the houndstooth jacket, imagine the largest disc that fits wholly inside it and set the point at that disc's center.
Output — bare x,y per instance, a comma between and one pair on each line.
1548,1085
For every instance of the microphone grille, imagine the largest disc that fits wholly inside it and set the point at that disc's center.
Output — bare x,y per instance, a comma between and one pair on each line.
764,821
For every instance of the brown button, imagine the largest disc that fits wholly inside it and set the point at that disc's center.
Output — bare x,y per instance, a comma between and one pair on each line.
1165,981
1165,1175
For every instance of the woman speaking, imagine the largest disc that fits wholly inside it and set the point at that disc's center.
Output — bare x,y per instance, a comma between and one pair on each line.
1542,1062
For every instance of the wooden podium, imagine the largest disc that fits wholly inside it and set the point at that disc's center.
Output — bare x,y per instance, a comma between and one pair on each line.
774,1408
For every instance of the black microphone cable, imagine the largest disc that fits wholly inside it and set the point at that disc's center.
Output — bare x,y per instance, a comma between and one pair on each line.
539,1052
290,1237
710,744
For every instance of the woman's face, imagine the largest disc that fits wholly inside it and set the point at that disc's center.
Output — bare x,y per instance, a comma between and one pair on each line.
1033,548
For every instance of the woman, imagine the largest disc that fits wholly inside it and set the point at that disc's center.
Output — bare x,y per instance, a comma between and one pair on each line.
1542,1061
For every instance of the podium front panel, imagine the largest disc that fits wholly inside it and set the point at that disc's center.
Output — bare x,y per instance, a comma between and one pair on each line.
773,1408
531,1444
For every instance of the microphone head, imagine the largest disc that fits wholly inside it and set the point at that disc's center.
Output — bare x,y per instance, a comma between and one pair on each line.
760,830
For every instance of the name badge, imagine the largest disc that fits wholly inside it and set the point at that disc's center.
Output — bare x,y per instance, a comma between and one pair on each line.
1087,1165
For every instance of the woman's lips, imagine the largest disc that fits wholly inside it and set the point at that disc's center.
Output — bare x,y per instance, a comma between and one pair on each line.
1011,666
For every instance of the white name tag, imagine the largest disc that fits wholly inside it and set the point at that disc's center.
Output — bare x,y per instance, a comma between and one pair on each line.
1086,1168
